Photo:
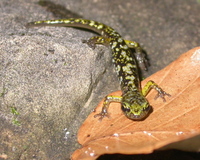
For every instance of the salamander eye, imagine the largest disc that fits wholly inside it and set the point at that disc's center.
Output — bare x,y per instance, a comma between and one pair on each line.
125,109
147,109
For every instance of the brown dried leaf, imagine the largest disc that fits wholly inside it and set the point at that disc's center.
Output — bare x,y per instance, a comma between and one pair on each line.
172,121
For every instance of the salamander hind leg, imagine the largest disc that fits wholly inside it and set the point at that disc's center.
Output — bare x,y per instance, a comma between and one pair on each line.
96,40
139,54
150,85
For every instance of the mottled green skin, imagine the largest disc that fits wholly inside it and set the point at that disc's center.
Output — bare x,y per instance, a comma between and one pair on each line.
134,104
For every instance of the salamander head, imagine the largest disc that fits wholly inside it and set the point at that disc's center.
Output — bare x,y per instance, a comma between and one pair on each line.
135,106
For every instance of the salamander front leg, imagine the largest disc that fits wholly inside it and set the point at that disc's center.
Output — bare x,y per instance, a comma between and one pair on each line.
150,85
106,103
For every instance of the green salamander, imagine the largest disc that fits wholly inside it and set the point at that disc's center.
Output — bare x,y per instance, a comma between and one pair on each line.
133,102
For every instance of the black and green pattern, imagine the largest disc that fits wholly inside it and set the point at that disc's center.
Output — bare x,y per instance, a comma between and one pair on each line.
134,104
